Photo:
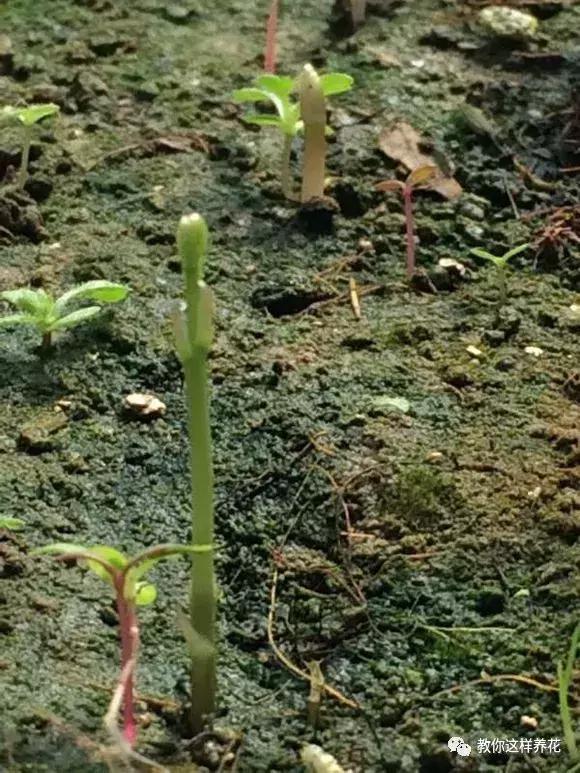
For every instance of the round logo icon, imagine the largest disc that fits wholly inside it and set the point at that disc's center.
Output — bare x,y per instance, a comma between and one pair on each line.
457,744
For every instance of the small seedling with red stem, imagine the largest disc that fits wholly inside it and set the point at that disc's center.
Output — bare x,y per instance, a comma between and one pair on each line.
418,179
124,575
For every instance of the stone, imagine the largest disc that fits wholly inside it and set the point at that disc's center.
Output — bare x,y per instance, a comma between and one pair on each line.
144,406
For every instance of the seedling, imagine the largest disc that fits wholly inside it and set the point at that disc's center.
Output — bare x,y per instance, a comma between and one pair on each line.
28,117
11,523
565,676
39,309
194,336
418,179
501,265
278,90
124,575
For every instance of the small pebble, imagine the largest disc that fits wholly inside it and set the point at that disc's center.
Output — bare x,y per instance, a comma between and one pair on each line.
535,351
145,406
529,723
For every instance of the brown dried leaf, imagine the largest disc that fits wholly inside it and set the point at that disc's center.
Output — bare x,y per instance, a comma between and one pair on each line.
401,142
422,175
389,185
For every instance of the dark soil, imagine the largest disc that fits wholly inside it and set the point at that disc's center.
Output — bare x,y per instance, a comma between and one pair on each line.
460,579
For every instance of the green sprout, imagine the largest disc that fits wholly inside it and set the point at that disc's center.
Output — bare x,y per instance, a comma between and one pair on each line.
125,576
28,117
47,315
565,676
501,265
11,523
194,336
278,90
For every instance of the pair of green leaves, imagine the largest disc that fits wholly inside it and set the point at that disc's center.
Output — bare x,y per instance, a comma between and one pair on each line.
278,90
113,566
28,116
38,308
499,261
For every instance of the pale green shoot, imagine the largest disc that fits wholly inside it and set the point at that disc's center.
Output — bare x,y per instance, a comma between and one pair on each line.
47,315
28,117
500,262
278,90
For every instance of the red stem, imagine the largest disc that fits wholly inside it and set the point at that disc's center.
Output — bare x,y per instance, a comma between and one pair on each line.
408,202
129,642
271,29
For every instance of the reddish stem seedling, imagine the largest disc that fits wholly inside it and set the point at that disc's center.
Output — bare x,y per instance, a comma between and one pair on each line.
125,577
271,37
418,179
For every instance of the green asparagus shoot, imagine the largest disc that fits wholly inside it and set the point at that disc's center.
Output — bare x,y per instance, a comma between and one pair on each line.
279,90
28,117
500,262
48,315
125,576
194,335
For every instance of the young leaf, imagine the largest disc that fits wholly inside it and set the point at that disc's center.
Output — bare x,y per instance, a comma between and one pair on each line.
35,113
16,319
75,317
111,556
145,594
61,548
515,251
97,290
11,523
280,85
263,120
335,83
31,301
485,255
249,95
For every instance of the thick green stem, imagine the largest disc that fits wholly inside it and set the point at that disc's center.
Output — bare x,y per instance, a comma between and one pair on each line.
25,158
285,175
202,596
313,110
193,346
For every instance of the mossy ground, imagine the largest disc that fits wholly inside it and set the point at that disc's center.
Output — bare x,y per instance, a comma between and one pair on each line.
464,556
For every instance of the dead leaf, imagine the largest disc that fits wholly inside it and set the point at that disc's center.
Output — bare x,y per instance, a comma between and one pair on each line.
402,142
389,185
385,58
423,174
181,143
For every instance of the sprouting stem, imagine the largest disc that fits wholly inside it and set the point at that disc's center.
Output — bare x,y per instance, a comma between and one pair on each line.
46,341
313,110
285,174
129,630
502,283
25,157
192,241
410,231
